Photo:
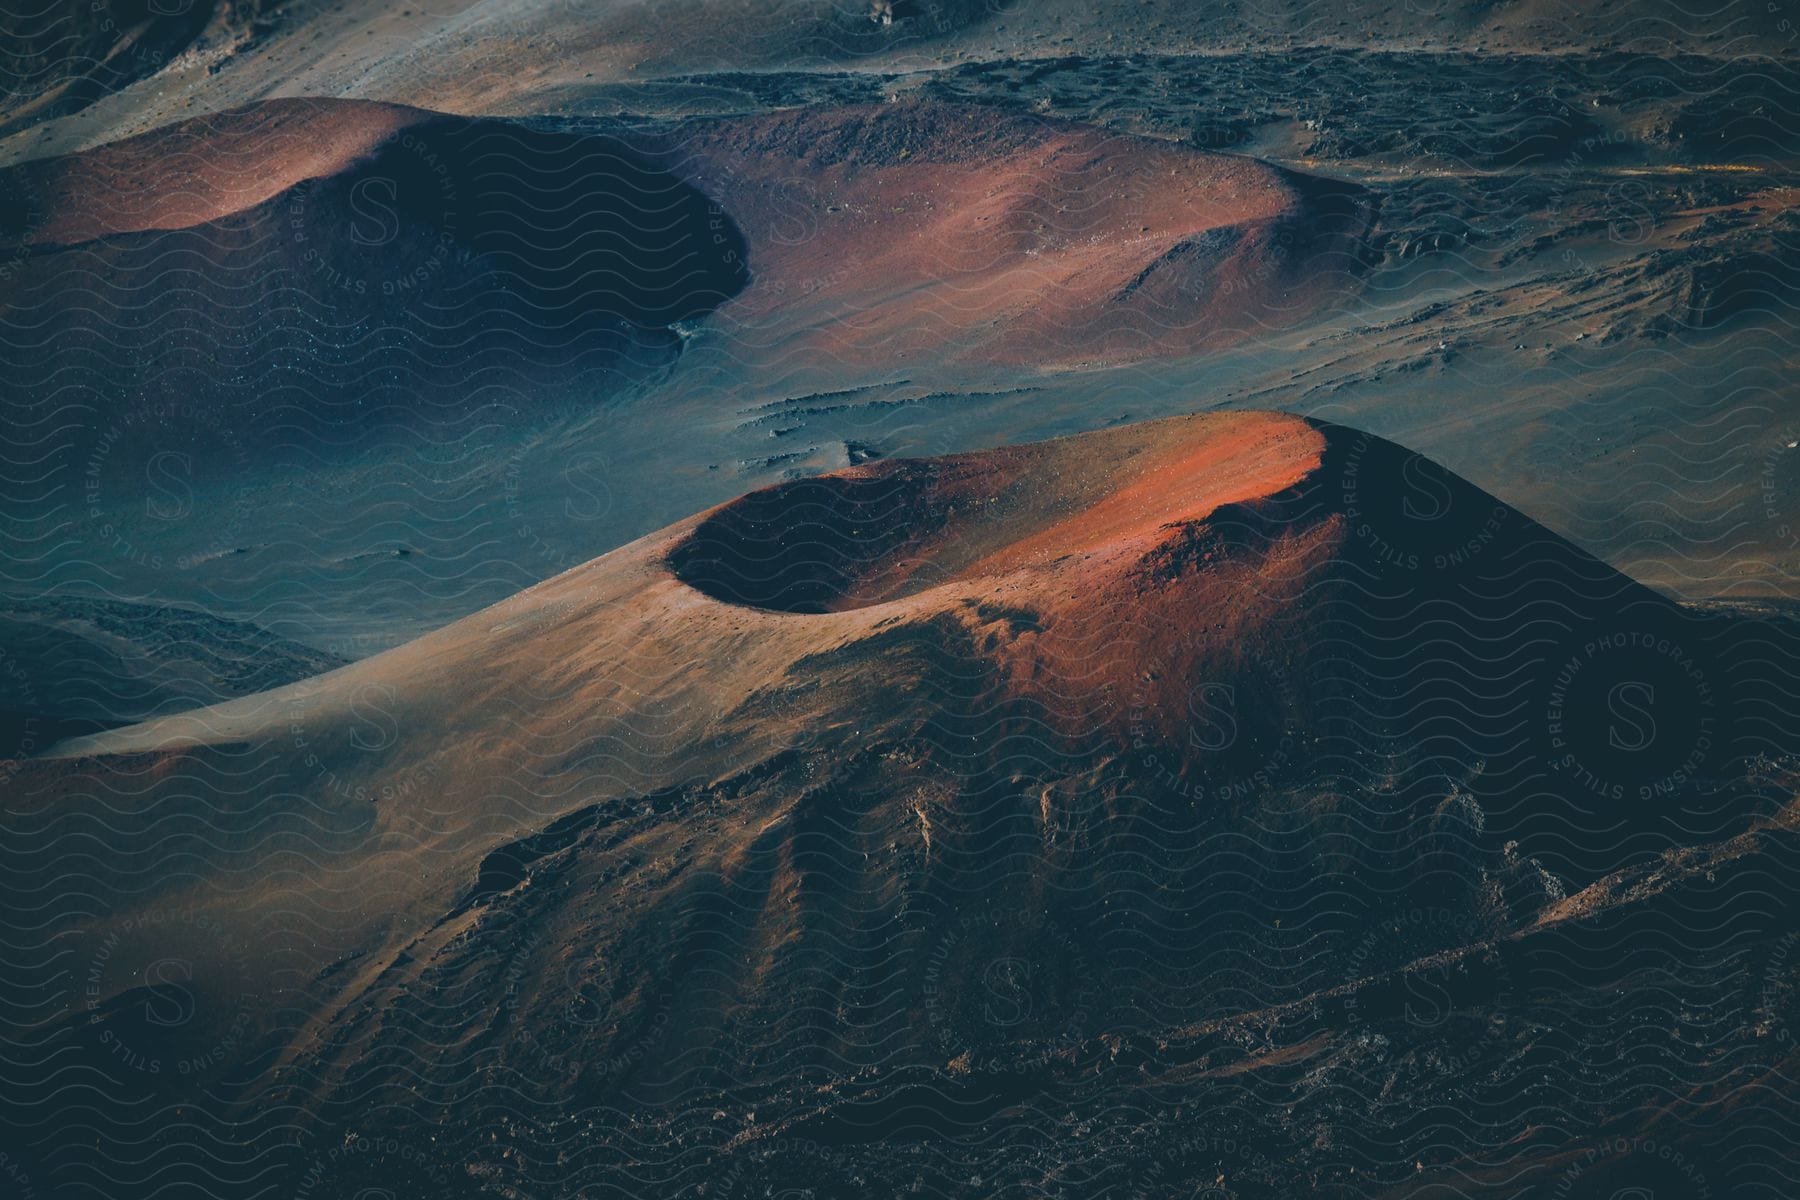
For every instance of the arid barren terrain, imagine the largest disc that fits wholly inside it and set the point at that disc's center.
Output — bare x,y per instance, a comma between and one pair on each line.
827,599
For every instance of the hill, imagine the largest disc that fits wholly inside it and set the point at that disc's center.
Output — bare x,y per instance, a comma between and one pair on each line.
1020,815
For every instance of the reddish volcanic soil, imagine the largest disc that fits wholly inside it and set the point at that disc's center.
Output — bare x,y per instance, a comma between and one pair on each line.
1066,536
199,170
919,228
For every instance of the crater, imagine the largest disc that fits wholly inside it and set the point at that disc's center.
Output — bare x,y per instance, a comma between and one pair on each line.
886,530
580,224
389,258
966,232
568,224
834,542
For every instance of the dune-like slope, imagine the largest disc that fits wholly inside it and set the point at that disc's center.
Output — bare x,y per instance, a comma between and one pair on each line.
922,229
198,170
984,799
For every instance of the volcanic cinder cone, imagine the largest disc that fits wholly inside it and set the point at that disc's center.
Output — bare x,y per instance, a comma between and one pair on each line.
945,796
304,264
959,231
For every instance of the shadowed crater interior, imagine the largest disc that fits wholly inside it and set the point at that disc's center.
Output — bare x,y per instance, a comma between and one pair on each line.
575,224
818,545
